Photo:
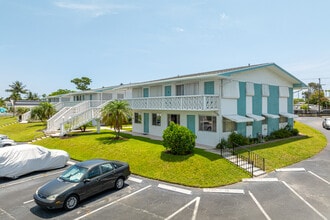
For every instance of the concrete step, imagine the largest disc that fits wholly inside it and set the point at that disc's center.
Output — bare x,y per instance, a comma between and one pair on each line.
258,173
243,164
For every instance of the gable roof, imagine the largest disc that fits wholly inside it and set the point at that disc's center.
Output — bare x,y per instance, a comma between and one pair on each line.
271,66
226,74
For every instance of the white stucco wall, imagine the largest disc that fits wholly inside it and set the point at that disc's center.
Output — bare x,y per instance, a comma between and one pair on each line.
262,76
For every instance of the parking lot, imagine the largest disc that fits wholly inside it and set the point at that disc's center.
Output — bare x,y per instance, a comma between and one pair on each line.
301,191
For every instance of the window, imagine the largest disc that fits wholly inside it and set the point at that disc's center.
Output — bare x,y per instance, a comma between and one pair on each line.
120,96
137,118
265,121
174,118
209,88
283,119
179,90
107,167
94,172
191,89
156,119
228,125
208,123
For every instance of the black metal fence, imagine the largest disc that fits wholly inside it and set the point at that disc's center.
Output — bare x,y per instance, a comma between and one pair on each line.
246,162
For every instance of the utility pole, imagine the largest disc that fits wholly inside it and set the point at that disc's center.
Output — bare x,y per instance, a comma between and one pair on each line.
319,96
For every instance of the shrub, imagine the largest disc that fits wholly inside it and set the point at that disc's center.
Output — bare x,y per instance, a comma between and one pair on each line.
235,138
223,144
285,132
178,139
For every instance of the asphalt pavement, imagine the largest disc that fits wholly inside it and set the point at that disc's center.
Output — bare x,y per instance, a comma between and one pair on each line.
300,191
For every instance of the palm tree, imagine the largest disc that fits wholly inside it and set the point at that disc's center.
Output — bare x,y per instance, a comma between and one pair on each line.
115,114
16,89
43,111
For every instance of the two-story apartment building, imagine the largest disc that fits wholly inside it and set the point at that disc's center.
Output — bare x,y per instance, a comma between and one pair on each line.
250,100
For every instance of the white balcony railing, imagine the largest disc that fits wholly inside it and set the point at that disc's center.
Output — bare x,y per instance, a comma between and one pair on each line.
198,102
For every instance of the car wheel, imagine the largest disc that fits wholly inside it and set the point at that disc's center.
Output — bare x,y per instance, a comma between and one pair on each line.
119,183
71,202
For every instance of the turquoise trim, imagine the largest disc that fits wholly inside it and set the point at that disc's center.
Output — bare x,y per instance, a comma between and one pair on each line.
273,100
273,108
191,123
257,109
290,101
257,100
168,90
241,108
146,123
241,128
145,92
209,88
241,101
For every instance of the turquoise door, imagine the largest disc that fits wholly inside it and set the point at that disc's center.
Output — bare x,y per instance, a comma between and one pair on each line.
209,88
191,123
168,91
146,123
145,92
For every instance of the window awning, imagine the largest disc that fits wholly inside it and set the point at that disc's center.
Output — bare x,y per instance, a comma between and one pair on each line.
270,115
288,115
255,117
238,118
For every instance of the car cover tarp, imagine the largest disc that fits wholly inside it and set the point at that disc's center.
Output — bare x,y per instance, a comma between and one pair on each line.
21,159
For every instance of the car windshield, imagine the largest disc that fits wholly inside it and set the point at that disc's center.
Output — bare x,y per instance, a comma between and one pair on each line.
73,174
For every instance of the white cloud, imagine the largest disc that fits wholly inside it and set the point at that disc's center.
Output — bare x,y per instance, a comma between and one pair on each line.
179,29
223,17
94,9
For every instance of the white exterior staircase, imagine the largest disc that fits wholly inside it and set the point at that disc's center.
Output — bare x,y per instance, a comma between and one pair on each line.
70,118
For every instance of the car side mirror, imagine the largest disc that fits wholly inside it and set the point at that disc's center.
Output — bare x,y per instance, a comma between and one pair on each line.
87,180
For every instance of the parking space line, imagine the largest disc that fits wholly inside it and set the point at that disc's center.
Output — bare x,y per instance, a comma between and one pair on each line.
229,191
135,179
259,206
28,201
196,200
302,199
9,215
260,180
29,179
175,189
290,170
327,182
109,204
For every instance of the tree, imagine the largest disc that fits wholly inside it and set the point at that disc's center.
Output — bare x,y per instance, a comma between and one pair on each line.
115,114
43,111
82,83
16,90
2,102
32,96
60,92
178,139
315,95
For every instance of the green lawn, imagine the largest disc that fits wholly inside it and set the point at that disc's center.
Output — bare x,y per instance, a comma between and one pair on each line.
23,132
147,157
283,153
4,120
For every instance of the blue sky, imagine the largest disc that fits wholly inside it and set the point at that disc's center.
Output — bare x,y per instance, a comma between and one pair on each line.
46,43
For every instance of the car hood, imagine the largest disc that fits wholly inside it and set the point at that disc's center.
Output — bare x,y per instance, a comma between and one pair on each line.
56,186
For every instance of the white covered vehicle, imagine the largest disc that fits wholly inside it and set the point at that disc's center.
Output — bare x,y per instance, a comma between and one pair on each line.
22,159
5,141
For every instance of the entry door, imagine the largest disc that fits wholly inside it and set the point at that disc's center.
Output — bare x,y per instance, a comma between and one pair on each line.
167,90
146,123
191,123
